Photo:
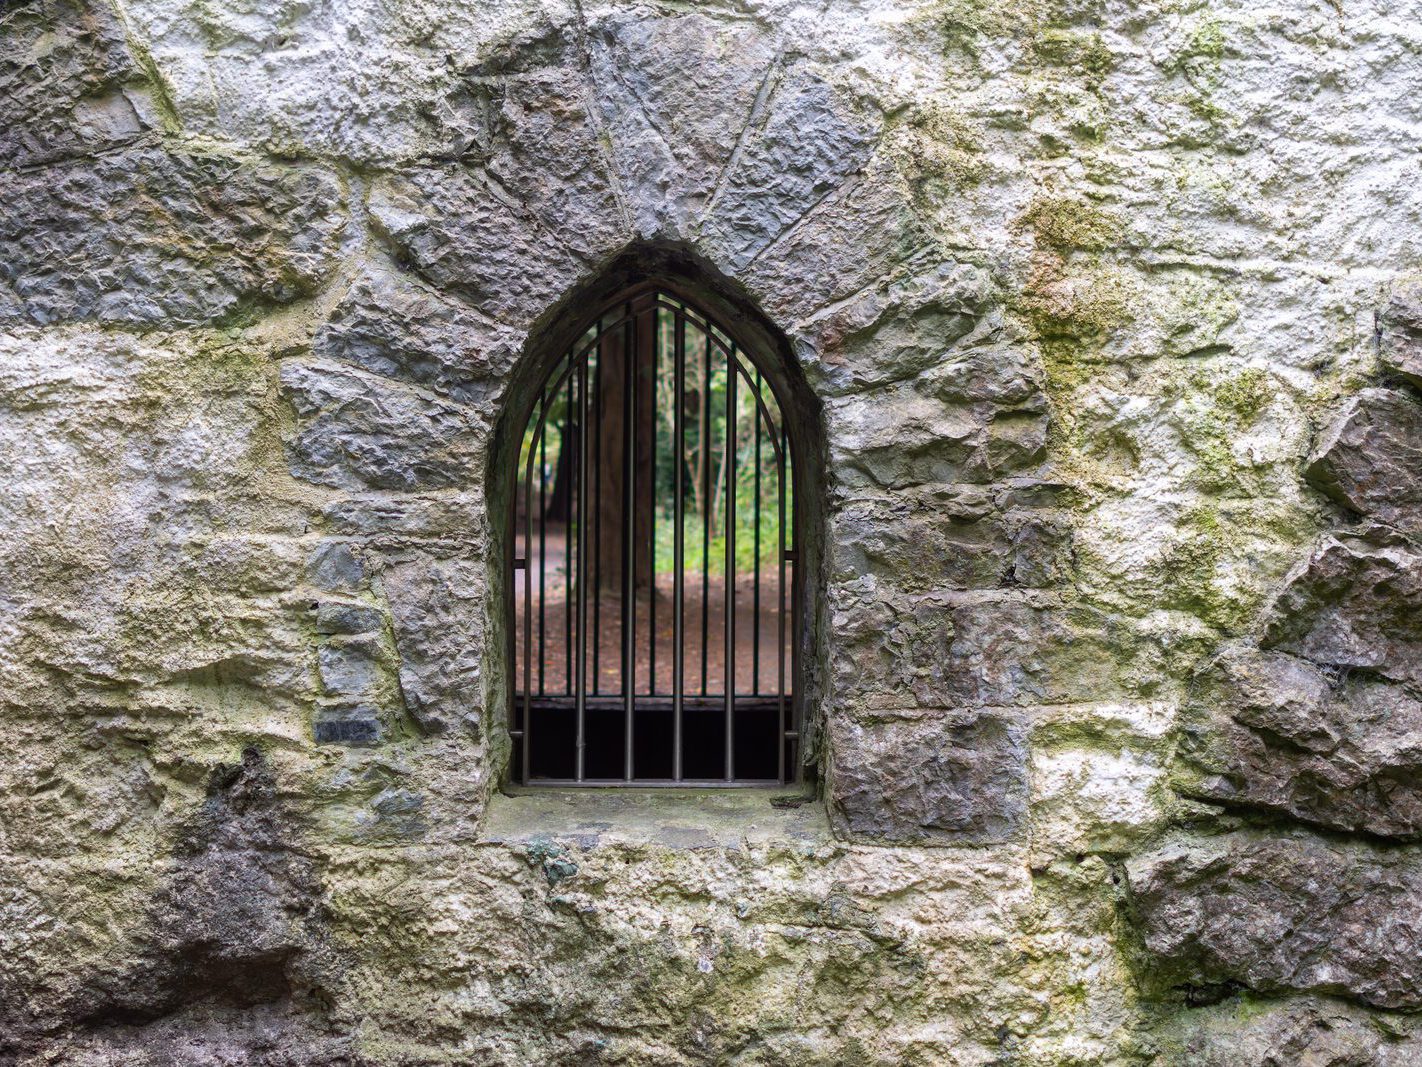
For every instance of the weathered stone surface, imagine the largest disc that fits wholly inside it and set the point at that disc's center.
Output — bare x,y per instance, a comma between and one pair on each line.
530,122
926,539
1281,913
911,326
1268,730
942,778
273,1035
1369,458
956,650
1401,322
69,83
674,95
150,236
356,433
1246,1032
234,922
808,142
455,229
1355,602
399,330
976,416
854,249
1071,280
439,634
333,617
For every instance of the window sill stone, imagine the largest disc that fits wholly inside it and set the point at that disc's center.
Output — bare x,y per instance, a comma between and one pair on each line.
670,818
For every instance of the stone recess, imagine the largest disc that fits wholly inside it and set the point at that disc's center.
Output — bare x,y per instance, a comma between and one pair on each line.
1115,681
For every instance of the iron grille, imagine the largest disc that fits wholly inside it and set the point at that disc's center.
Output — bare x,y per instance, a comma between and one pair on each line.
653,564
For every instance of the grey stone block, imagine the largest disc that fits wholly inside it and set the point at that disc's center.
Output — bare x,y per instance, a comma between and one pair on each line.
1370,458
1355,602
1401,340
69,83
1279,914
943,778
1270,731
355,432
147,236
398,329
357,727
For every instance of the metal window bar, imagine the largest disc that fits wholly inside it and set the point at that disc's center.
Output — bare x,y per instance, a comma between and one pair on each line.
641,324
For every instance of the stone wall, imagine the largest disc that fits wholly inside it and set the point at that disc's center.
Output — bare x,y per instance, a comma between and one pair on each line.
1112,316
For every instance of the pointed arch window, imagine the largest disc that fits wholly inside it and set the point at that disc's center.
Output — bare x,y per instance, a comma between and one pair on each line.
655,593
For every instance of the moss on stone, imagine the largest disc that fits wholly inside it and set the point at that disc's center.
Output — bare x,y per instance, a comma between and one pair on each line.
1082,53
1068,223
938,152
1245,394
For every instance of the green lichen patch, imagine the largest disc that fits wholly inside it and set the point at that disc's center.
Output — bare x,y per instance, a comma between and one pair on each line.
1083,54
1071,223
938,151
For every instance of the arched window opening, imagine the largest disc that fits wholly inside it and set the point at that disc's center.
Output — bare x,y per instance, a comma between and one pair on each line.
653,563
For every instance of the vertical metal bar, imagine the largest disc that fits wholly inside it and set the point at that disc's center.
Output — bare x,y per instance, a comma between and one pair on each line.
755,600
527,615
780,596
595,568
652,510
568,548
797,609
678,536
629,537
542,542
582,457
730,467
705,506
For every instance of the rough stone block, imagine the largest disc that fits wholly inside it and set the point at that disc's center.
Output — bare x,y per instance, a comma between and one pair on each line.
1355,602
452,228
810,141
437,610
397,329
840,272
897,330
943,778
351,726
334,567
1270,731
350,667
334,617
528,119
1280,914
146,236
1370,458
68,83
1305,1031
674,93
936,650
975,416
1401,323
360,433
933,538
